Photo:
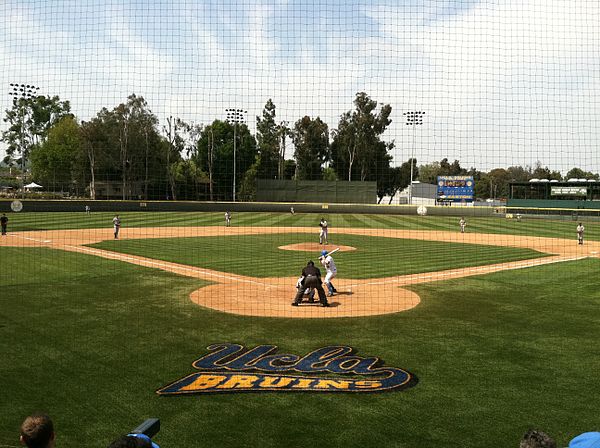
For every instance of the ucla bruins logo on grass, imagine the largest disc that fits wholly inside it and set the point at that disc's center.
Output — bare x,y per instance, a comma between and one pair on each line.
233,368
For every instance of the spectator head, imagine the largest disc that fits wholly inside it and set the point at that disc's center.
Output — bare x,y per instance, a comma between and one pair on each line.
37,431
133,441
537,439
586,440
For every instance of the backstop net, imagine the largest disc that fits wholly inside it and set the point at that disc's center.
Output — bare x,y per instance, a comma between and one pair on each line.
169,169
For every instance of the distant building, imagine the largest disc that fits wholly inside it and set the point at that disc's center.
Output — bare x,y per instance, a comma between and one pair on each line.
114,190
422,194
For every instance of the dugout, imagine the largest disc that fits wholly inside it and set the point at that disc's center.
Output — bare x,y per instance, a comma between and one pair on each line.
331,192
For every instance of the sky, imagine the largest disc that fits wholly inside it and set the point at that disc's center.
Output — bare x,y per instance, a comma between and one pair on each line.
502,82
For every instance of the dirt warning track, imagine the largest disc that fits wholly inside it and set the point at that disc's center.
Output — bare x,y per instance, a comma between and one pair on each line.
272,297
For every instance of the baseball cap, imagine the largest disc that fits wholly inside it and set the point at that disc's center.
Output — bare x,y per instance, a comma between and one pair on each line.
144,437
323,252
586,440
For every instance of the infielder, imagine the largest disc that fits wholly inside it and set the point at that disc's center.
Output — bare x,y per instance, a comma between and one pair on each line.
580,230
462,224
324,232
331,269
227,219
116,226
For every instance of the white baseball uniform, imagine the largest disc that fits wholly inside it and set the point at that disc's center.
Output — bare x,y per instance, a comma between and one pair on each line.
463,224
580,230
330,268
324,232
116,226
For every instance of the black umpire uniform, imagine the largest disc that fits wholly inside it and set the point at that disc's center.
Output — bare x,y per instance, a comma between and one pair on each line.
312,279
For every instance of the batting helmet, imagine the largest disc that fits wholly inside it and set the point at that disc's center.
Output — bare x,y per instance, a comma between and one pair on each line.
323,252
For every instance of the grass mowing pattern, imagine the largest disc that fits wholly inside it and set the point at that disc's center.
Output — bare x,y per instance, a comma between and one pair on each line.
495,355
558,228
259,256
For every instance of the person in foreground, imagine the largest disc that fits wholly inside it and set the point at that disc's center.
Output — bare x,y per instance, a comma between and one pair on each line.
37,431
586,440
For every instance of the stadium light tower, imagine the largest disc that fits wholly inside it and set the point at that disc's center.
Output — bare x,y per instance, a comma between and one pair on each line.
21,93
235,116
414,119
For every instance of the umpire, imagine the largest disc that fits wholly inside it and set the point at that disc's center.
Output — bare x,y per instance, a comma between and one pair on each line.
312,279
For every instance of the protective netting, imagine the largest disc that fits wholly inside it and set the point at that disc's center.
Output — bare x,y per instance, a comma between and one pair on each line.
170,168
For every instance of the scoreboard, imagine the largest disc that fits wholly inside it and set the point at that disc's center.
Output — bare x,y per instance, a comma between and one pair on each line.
455,188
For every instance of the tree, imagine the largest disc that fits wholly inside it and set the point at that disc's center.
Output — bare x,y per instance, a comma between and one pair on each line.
174,130
52,161
215,155
329,174
311,139
268,138
357,149
29,120
284,133
398,179
498,183
578,173
519,173
540,172
429,172
124,144
451,169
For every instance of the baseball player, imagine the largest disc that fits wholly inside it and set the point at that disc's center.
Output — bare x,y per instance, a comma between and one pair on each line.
312,279
330,268
309,292
462,224
227,219
116,226
324,232
4,223
580,230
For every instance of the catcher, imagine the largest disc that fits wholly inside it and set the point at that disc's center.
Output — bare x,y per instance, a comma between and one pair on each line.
311,279
309,292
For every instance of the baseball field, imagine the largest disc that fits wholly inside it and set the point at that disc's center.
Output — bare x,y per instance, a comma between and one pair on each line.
499,326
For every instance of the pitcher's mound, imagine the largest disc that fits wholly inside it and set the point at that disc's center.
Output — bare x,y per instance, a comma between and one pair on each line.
315,247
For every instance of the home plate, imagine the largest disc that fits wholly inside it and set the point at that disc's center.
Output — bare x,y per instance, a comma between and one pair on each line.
47,241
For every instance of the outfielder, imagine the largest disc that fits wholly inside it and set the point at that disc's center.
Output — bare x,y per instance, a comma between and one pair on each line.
331,269
324,232
580,230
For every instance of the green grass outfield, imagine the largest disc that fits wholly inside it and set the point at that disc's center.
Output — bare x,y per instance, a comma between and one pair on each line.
89,340
563,228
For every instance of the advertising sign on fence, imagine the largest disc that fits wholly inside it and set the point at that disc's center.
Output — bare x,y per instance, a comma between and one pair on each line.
455,188
568,191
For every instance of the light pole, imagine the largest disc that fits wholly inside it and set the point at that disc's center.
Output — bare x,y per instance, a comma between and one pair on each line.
235,116
413,118
22,93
